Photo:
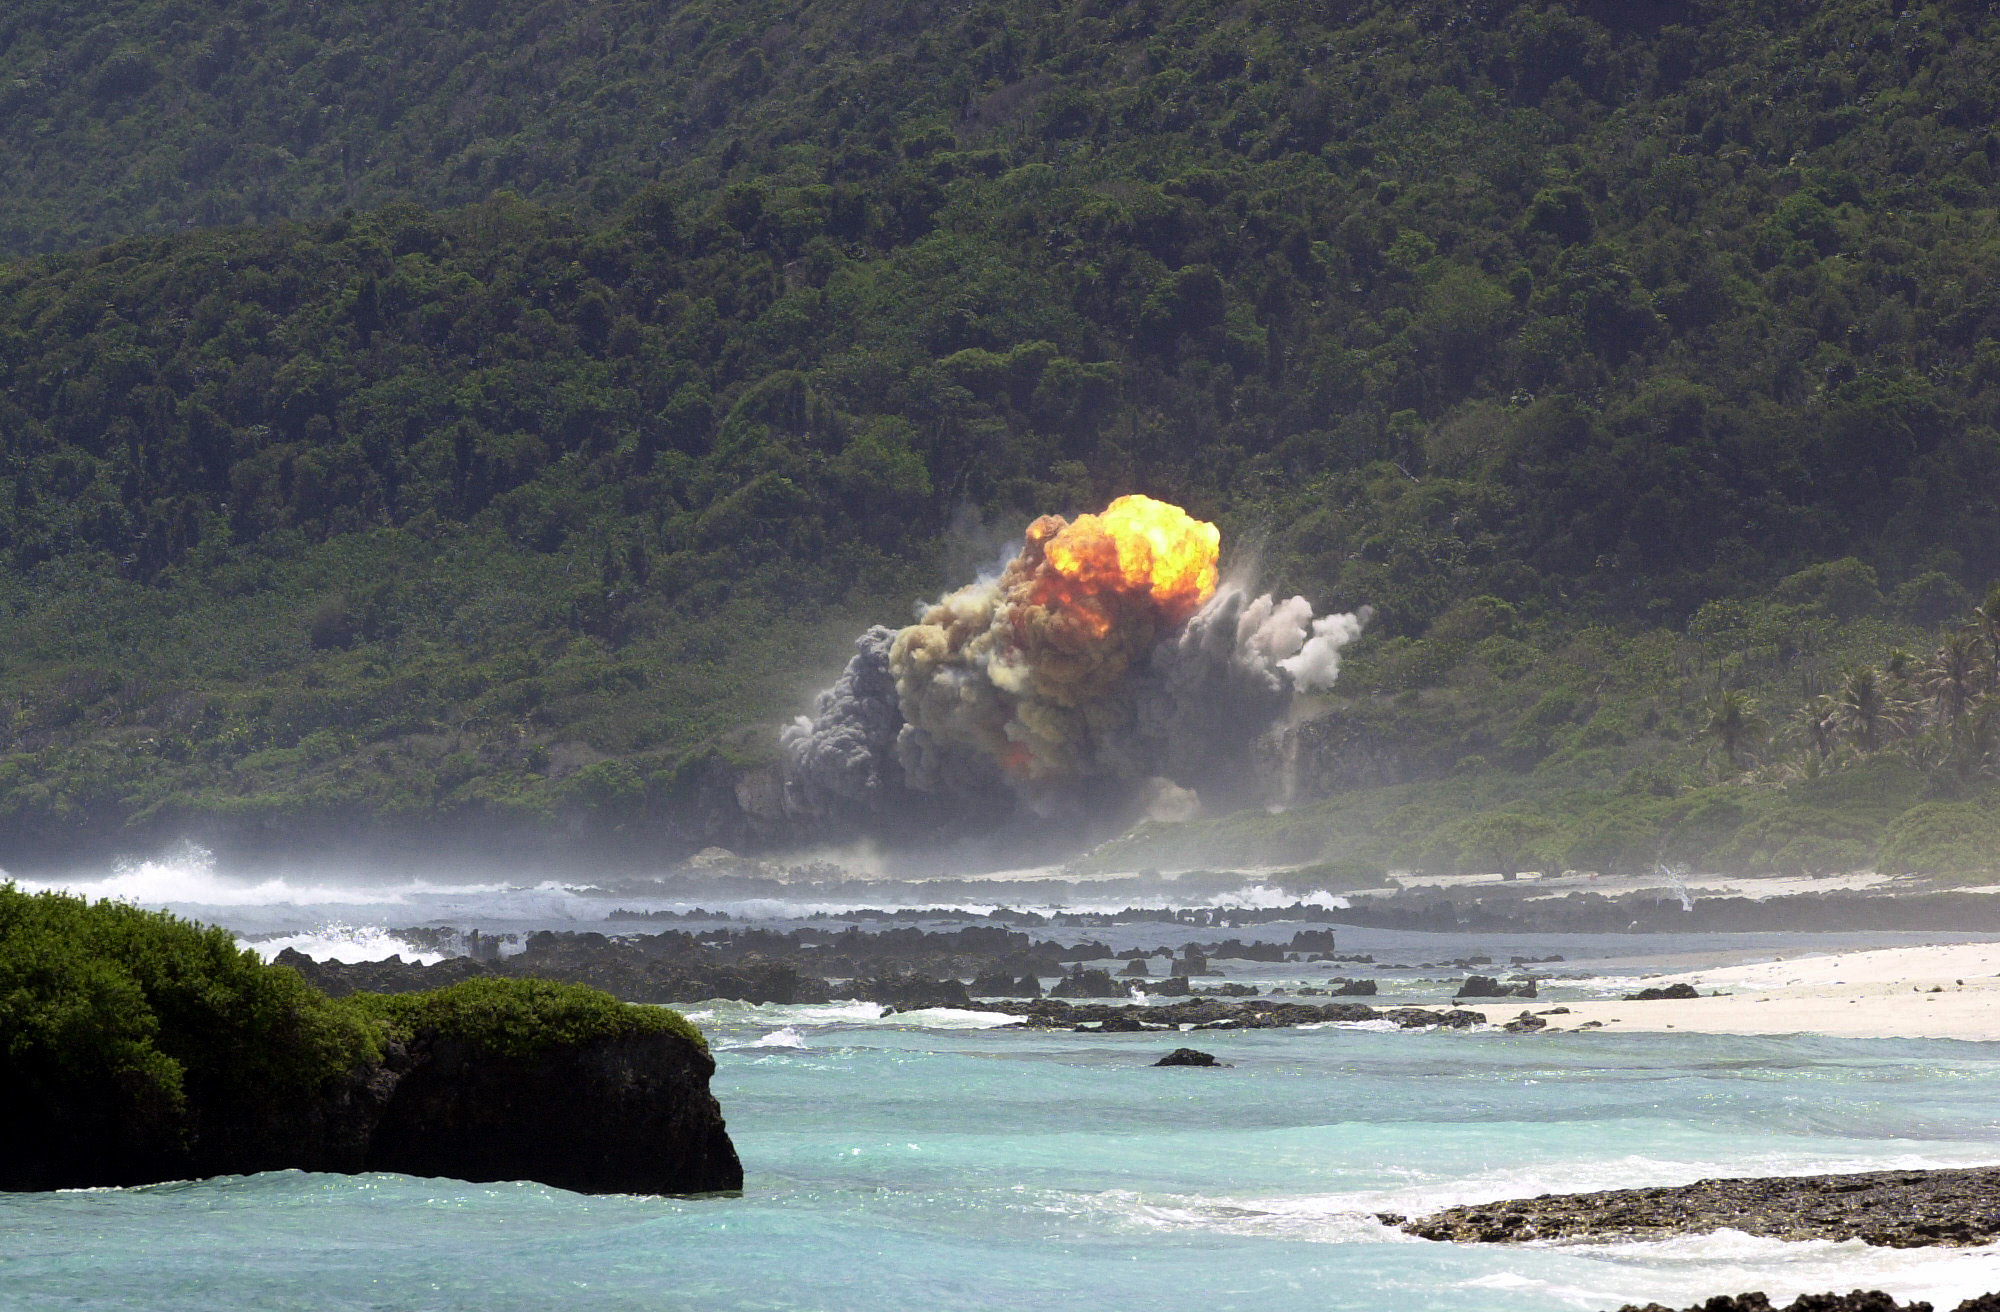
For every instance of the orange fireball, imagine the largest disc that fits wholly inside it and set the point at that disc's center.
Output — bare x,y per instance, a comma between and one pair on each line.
1138,548
1026,666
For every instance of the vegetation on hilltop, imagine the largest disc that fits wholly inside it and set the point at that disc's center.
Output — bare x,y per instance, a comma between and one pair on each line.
1624,357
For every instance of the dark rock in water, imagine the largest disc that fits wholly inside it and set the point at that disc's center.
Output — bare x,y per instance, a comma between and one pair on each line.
1227,991
1485,986
1000,984
1123,1022
1861,1300
1660,995
1411,1018
1174,986
1082,983
1212,1013
623,972
628,1114
911,992
1894,1209
1137,969
1525,1023
1352,988
1188,1057
625,1115
991,984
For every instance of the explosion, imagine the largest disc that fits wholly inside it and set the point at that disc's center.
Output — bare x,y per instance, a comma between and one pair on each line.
1106,650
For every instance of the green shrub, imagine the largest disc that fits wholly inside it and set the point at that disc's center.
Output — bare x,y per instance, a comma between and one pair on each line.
518,1017
157,1015
1338,876
1942,838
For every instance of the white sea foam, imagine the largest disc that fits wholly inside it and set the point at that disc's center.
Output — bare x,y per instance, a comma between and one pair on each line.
784,1038
189,878
188,882
1689,1268
346,943
801,1018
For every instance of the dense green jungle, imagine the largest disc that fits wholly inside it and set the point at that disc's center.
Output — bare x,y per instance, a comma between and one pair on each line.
474,425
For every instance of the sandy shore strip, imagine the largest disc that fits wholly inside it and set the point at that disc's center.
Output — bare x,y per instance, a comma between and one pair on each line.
1947,992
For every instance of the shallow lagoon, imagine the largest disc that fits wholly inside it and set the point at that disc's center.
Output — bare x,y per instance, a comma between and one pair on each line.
928,1162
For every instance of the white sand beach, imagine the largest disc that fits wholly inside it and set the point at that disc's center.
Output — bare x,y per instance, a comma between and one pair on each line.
1950,992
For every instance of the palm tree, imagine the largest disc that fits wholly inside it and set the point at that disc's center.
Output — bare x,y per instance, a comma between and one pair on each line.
1987,617
1866,708
1900,668
1734,724
1951,680
1817,718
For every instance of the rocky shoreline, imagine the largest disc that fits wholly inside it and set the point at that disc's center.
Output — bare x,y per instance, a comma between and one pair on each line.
908,970
1868,1300
1954,1208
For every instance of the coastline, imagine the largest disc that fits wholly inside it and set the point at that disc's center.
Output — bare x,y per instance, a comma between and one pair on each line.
1944,992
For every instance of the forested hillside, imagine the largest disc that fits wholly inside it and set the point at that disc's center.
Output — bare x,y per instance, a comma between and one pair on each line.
589,370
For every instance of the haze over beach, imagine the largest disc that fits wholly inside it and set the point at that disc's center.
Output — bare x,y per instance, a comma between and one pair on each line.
1113,653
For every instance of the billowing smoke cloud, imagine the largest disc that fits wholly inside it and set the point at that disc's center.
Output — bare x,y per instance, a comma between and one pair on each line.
1104,658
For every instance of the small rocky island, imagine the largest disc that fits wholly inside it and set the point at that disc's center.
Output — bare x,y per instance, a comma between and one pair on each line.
1861,1300
137,1048
1891,1209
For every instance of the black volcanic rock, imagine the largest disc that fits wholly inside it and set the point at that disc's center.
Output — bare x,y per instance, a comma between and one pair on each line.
625,972
1670,992
1485,986
1215,1013
911,992
1892,1209
1080,983
1187,1057
1868,1300
622,1115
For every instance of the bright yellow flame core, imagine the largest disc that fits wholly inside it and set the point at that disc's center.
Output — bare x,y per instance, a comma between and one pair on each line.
1140,546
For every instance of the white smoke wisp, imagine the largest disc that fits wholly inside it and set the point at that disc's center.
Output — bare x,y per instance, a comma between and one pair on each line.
1317,663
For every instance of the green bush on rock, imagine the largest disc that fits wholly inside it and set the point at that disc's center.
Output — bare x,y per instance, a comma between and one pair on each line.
136,1046
146,1018
519,1017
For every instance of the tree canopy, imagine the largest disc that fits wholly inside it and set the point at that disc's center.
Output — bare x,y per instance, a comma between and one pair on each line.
576,375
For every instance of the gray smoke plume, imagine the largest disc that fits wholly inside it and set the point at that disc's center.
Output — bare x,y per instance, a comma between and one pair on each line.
1000,698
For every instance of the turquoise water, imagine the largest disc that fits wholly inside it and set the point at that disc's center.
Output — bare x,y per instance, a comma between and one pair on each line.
927,1163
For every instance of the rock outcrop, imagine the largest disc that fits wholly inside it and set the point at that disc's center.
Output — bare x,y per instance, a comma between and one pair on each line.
1671,992
1892,1209
1086,983
572,959
631,1114
1861,1300
625,1114
1213,1014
